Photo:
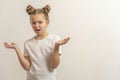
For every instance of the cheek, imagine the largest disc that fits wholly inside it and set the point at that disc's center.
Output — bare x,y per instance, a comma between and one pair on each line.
44,26
32,26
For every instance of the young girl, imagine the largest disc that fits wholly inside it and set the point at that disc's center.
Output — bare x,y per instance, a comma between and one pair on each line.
41,52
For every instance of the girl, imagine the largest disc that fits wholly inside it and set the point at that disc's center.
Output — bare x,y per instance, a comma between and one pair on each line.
41,52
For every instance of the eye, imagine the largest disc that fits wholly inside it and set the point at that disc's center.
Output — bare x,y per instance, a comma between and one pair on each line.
40,22
33,22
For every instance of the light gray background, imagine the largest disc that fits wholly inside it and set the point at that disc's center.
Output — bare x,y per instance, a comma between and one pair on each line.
93,52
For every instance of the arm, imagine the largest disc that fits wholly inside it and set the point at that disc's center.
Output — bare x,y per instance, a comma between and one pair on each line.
55,59
24,61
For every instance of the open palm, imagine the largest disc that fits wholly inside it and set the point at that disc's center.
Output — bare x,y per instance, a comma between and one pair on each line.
63,41
12,45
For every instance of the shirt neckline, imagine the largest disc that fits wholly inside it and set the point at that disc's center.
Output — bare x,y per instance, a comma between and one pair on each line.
43,38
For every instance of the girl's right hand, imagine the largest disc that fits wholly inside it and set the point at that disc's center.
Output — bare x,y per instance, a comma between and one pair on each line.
11,46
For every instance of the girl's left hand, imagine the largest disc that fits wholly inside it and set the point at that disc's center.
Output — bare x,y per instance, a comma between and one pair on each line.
62,42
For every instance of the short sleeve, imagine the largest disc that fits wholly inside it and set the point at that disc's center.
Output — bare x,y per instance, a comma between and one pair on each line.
57,38
26,53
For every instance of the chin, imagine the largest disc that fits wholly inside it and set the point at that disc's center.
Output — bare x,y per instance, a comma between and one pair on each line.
39,33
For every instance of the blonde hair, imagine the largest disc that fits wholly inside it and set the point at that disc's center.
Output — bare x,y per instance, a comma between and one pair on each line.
32,11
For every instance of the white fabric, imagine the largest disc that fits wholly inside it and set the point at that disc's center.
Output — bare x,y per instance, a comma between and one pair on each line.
40,52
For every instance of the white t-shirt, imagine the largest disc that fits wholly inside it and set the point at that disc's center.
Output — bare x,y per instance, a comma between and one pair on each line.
40,52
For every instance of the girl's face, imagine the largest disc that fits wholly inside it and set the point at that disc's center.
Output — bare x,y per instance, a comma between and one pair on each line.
39,23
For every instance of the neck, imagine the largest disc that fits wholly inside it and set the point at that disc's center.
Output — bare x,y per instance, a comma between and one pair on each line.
41,36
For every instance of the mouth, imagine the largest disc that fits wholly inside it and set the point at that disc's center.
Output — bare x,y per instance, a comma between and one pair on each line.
37,30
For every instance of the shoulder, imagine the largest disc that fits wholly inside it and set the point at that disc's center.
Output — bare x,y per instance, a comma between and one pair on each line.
28,40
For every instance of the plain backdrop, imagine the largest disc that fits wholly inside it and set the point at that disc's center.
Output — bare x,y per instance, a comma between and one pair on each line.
93,53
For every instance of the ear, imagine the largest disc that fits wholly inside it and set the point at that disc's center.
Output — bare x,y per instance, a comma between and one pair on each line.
48,21
30,19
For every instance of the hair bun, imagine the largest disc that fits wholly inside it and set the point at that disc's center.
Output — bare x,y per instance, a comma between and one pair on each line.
30,9
46,8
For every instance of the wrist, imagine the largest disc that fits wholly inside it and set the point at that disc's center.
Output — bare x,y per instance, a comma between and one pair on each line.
16,48
57,45
56,48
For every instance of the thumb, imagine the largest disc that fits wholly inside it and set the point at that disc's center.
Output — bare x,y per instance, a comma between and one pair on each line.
12,43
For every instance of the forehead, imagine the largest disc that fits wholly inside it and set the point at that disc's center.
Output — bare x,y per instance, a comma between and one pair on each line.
37,17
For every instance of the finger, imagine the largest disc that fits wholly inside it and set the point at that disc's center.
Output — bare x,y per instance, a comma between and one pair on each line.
64,42
67,39
12,43
6,44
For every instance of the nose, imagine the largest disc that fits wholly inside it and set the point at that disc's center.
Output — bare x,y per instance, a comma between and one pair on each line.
37,25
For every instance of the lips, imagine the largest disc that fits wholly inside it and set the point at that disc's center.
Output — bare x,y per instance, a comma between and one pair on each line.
37,29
